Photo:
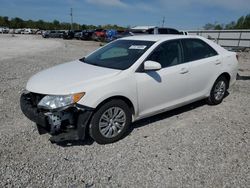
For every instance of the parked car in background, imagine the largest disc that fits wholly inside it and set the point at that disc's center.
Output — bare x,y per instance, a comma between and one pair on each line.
111,35
84,35
27,31
87,34
153,30
124,81
12,31
121,34
4,30
18,31
163,30
53,34
39,32
99,35
77,35
70,34
184,32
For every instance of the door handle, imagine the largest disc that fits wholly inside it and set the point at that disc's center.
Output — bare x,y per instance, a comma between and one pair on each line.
217,62
184,71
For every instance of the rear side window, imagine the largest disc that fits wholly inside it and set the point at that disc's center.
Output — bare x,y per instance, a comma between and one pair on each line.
195,49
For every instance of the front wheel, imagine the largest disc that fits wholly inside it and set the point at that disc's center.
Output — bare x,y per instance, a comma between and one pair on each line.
218,91
110,122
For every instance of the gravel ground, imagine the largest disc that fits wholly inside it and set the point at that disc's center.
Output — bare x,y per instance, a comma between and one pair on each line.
194,146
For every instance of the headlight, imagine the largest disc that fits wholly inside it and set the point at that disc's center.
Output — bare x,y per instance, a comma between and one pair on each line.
58,101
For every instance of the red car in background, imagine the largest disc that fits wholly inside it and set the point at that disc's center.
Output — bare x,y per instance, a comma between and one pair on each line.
99,35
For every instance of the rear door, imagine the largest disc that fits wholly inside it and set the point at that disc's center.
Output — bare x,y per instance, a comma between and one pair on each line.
204,65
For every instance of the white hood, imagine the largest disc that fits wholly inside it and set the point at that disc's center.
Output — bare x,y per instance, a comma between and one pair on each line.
68,78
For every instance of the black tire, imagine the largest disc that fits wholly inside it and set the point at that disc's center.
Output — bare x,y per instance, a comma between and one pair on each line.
94,129
212,99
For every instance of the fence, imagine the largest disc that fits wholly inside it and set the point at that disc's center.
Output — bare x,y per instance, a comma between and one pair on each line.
226,38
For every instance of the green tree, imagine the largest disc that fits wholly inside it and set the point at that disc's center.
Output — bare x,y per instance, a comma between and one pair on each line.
218,27
240,23
56,24
17,23
209,26
246,24
231,25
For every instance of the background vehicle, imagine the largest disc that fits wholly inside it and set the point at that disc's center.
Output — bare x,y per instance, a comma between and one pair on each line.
127,80
84,35
53,34
121,34
163,31
99,35
70,34
111,35
4,30
153,30
184,32
39,32
18,31
26,31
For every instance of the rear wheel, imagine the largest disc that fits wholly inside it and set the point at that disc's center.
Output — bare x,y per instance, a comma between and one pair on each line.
110,122
218,91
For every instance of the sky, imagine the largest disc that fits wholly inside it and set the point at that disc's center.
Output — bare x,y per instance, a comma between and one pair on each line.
180,14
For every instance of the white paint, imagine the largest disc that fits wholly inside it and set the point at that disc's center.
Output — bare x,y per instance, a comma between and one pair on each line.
150,92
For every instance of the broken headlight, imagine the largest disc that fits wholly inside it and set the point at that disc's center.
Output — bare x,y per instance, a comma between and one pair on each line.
58,101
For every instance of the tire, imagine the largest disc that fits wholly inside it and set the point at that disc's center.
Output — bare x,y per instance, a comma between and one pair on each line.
218,91
110,122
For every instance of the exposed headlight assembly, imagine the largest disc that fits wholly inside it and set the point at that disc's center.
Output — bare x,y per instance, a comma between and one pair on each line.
52,102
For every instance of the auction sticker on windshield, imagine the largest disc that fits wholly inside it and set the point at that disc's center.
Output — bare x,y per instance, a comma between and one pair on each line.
137,47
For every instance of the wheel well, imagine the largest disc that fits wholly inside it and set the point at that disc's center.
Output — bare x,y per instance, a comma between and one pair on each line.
125,99
227,76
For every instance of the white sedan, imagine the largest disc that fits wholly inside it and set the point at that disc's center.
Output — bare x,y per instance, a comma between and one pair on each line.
124,81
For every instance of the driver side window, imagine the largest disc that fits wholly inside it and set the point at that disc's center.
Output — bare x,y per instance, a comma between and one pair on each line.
167,54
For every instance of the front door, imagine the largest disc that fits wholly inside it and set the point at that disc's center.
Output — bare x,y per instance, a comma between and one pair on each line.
165,88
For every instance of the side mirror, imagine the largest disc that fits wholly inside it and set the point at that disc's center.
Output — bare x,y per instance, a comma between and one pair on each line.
152,66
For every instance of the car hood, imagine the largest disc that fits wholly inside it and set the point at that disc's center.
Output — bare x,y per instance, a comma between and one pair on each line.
68,78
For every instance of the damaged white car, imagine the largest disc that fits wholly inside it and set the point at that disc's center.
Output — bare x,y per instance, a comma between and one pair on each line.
124,81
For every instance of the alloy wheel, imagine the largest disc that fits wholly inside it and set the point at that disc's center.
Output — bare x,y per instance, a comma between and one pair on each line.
112,122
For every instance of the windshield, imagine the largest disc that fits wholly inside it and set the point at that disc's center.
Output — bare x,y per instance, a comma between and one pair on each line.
120,54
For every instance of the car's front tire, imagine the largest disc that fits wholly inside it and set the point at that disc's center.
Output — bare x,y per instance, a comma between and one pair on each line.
110,122
218,91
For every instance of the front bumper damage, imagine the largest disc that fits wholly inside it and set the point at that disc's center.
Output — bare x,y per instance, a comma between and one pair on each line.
67,124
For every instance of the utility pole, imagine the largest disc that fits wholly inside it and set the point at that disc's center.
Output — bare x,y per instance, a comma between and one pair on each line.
71,15
163,21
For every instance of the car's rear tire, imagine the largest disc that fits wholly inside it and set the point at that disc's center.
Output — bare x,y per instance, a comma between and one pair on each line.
218,91
110,122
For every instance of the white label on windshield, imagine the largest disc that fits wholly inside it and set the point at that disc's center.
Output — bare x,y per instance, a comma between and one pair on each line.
137,47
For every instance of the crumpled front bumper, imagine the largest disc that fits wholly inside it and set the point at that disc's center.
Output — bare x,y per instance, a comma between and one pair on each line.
72,132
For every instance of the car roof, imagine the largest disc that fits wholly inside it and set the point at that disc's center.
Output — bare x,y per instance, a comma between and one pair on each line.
160,37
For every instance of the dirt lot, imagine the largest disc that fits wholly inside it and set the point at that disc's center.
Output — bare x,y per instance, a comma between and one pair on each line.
194,146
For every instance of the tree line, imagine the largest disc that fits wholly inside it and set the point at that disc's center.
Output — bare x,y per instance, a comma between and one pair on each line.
242,23
17,22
